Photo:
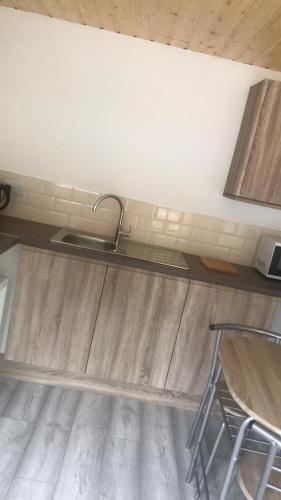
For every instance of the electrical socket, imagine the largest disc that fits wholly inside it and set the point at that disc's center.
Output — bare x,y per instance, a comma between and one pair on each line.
17,189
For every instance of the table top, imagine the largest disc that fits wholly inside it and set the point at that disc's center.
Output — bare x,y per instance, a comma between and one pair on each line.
252,371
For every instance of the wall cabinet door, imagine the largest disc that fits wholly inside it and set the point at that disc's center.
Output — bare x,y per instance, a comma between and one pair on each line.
55,309
255,169
136,328
191,362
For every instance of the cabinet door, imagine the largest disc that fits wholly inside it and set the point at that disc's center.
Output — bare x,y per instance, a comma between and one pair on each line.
55,309
136,328
262,179
191,362
254,173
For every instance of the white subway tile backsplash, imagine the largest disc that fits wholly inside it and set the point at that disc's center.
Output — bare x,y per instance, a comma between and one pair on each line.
230,241
8,177
58,190
84,196
87,212
23,212
139,208
184,232
51,217
250,245
149,224
223,226
248,231
68,207
141,236
187,218
239,257
102,214
203,221
79,224
199,234
30,183
162,240
161,213
181,245
214,251
22,199
130,220
204,235
175,215
103,228
40,200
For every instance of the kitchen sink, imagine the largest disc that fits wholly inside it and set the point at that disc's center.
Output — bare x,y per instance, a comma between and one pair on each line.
148,253
93,242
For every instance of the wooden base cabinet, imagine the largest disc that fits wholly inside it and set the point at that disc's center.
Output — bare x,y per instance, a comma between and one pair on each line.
55,309
112,323
137,326
205,304
120,326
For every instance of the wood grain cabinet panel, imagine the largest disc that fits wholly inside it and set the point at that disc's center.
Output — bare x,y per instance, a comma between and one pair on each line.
136,328
55,310
191,362
255,171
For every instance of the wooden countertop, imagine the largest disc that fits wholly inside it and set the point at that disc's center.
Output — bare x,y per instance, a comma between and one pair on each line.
252,371
14,231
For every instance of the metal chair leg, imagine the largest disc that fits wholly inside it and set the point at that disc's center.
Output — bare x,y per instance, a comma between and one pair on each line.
203,427
203,402
204,475
206,470
226,423
198,416
234,457
215,448
197,483
266,473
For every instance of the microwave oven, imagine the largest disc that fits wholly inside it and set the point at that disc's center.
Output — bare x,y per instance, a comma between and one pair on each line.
268,256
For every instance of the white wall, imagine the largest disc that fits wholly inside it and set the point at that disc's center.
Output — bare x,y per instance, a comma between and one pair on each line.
109,113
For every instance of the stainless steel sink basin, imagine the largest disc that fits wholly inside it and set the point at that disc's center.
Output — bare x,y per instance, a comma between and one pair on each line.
132,249
93,242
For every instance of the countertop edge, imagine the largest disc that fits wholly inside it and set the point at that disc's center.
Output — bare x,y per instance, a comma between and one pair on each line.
15,231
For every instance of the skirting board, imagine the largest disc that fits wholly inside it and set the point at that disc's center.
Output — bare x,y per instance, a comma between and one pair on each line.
30,373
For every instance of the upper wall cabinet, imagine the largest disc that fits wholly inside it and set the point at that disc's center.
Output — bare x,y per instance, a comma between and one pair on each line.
255,171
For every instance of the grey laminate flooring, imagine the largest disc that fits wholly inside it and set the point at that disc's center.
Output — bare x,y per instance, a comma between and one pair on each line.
60,444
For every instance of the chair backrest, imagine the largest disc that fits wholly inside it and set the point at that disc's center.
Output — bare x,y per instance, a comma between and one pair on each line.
237,328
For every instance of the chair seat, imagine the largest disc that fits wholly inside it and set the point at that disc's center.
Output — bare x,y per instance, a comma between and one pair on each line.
248,399
249,473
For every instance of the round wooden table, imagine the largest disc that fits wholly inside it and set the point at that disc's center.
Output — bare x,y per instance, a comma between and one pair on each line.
252,371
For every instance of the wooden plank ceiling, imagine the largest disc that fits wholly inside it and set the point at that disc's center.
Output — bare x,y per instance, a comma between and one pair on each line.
244,30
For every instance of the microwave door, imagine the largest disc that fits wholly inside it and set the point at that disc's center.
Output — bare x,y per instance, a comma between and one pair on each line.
275,266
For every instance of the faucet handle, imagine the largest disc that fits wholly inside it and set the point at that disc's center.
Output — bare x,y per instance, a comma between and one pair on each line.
126,234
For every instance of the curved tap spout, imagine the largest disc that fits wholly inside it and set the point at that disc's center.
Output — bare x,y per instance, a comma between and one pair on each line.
119,231
104,197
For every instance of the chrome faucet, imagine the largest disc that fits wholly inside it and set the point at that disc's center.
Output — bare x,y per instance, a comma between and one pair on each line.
119,231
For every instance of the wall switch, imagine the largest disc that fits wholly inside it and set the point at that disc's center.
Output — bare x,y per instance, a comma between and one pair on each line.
17,189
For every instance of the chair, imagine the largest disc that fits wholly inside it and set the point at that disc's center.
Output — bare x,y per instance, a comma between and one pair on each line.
255,469
231,412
